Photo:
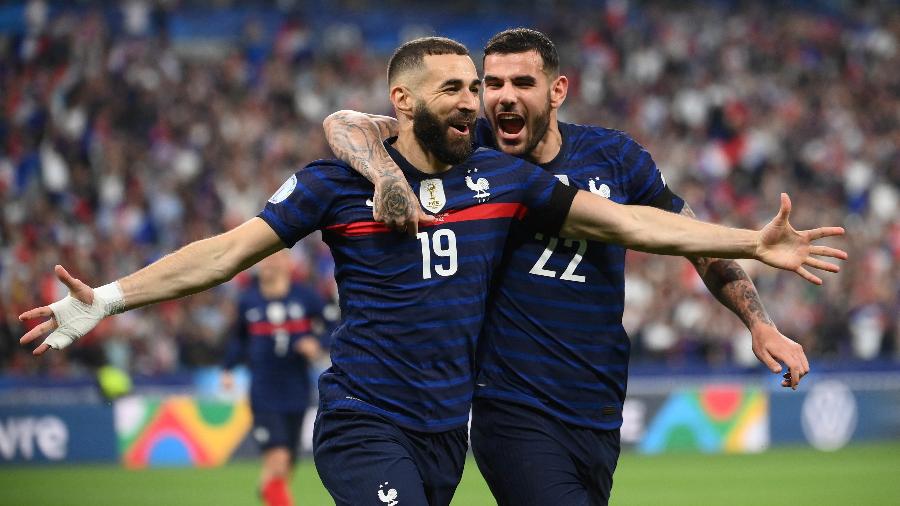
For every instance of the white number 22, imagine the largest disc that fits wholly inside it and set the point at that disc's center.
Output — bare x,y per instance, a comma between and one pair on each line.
448,251
539,268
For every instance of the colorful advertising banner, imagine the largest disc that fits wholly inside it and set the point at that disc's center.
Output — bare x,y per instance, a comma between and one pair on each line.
714,418
179,431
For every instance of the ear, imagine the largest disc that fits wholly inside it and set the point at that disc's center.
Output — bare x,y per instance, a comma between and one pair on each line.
558,90
403,100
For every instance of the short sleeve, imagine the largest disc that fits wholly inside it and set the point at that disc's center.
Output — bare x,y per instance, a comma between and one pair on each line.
300,206
547,198
646,185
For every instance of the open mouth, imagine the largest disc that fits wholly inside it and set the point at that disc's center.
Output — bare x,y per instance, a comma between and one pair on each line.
461,128
510,123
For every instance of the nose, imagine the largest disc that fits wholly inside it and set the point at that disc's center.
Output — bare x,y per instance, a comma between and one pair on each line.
507,96
469,101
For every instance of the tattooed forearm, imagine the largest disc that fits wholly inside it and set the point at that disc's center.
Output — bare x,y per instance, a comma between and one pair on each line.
393,204
731,286
356,140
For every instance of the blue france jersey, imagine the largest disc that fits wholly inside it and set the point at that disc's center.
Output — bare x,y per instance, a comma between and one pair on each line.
266,331
553,337
412,307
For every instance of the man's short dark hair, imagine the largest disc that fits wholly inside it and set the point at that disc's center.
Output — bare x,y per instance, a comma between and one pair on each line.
522,40
412,54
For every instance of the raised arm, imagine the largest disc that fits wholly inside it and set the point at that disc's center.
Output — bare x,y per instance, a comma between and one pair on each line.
734,289
357,138
193,268
654,231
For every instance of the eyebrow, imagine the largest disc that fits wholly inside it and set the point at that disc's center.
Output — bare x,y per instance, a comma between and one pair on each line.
458,83
516,79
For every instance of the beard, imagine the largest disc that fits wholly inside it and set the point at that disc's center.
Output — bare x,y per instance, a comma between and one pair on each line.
433,136
537,129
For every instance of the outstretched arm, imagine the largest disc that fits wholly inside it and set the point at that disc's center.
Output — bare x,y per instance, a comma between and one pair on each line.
728,282
356,138
654,231
194,268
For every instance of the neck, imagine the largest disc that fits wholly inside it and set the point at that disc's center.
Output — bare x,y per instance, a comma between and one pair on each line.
408,146
550,144
275,288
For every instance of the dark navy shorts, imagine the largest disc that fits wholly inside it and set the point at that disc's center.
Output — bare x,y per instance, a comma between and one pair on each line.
277,430
365,459
529,457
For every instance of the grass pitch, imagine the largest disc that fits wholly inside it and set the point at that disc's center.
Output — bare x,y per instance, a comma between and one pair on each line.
859,475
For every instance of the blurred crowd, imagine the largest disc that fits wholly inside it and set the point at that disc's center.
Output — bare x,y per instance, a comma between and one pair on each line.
120,145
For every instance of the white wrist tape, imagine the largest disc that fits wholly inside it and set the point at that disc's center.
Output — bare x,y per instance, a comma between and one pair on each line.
75,318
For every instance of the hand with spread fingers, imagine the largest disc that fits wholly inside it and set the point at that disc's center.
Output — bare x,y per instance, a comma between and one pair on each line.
783,247
73,316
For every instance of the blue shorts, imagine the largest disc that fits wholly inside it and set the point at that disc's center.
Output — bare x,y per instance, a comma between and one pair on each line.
529,457
277,430
365,459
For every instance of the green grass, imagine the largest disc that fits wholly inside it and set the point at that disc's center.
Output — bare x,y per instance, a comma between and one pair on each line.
859,475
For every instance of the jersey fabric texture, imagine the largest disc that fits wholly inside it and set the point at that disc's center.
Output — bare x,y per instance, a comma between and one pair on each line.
553,337
266,331
412,307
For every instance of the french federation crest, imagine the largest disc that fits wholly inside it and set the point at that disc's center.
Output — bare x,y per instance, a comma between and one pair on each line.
479,186
602,190
431,195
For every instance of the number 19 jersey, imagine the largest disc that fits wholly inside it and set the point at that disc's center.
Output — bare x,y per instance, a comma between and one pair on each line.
412,307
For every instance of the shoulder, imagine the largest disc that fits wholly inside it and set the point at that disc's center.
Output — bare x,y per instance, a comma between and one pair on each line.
302,291
594,133
484,155
328,168
250,293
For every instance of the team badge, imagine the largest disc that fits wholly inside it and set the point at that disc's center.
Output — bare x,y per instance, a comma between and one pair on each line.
286,189
388,495
480,186
431,195
602,190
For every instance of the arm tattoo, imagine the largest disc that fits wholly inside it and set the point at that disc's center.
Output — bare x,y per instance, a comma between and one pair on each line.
356,138
355,143
728,282
393,203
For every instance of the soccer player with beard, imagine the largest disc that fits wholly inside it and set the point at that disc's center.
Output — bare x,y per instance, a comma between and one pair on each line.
553,372
391,427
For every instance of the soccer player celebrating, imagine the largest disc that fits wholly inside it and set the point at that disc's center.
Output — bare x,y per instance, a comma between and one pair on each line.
277,331
553,372
391,426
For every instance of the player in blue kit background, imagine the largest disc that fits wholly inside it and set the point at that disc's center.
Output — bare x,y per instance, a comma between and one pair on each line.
278,332
391,427
554,365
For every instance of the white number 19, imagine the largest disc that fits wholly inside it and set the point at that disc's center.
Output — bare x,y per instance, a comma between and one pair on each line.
448,251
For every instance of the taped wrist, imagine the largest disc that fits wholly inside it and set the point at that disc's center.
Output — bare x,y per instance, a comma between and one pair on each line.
74,318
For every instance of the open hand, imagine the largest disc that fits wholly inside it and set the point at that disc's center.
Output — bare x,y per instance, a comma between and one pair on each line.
783,247
73,325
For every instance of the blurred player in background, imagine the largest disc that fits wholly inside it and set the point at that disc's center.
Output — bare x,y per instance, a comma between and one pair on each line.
279,332
554,367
